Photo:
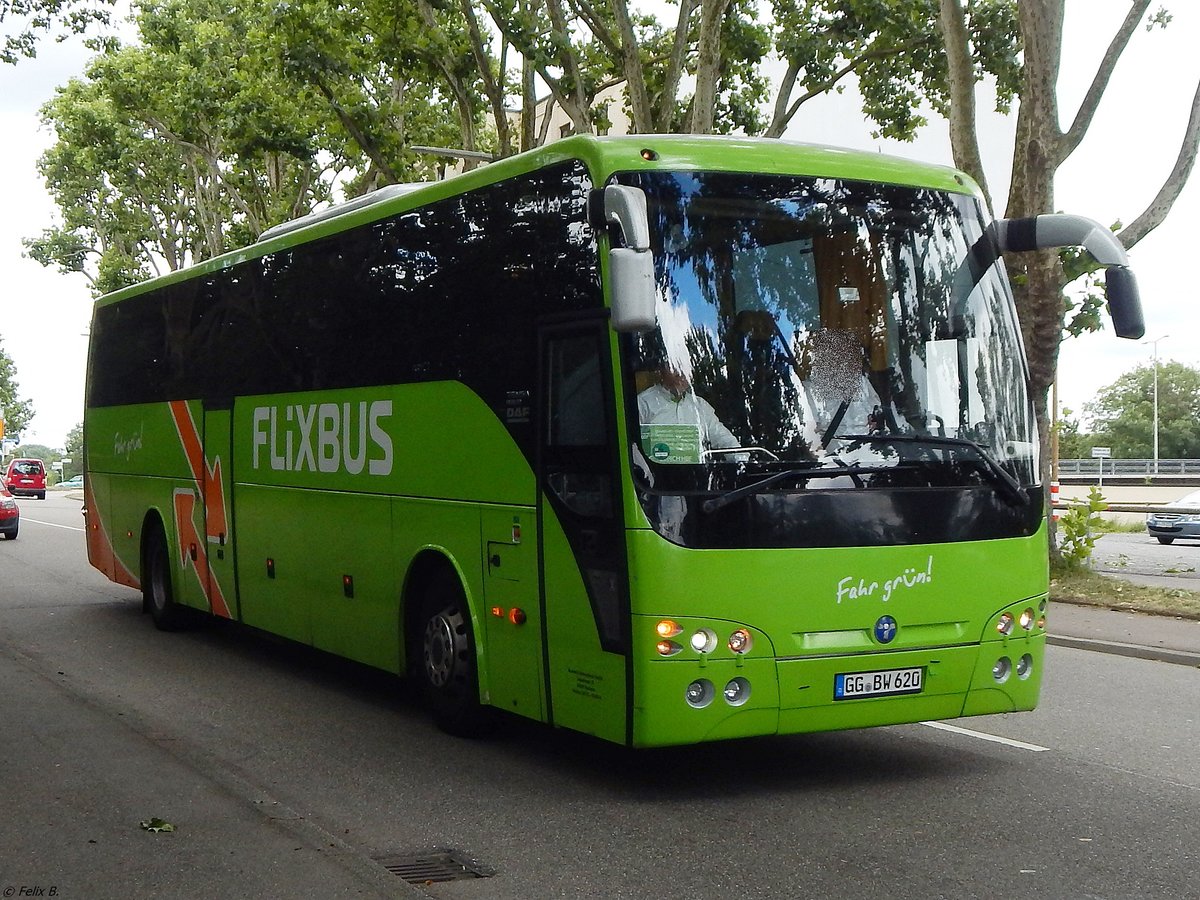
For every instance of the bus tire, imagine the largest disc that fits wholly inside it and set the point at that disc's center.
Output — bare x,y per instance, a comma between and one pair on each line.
158,597
446,661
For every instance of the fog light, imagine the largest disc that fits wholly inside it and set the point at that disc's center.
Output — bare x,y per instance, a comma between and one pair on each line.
1005,625
699,693
667,629
1001,669
704,641
1024,666
740,641
668,648
737,692
1027,619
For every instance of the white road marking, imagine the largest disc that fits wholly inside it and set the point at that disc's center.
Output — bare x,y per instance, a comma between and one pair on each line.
995,739
51,524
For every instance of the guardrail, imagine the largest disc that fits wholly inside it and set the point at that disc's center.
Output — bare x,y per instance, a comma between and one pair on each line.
1131,508
1128,466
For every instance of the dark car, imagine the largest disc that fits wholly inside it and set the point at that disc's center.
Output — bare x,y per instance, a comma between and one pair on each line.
10,514
1166,526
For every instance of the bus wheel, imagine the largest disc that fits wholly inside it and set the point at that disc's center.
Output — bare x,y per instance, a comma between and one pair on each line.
156,584
447,662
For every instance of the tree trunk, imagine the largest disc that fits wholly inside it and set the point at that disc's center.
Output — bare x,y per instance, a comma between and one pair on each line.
494,90
1036,158
631,68
964,140
708,65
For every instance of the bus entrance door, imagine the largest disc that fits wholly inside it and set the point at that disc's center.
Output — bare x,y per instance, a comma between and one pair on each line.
514,627
218,461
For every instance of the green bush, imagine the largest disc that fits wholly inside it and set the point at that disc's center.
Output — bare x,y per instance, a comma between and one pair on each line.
1077,527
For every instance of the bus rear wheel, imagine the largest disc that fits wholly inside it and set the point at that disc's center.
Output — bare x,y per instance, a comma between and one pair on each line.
157,594
446,660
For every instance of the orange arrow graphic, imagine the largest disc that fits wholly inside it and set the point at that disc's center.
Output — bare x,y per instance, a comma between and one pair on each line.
207,479
185,506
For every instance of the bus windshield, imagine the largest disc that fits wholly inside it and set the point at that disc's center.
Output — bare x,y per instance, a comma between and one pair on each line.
818,335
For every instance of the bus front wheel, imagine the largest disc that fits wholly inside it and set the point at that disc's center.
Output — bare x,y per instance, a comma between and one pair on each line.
447,660
157,593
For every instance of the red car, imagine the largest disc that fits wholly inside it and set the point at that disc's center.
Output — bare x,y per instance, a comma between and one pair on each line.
10,514
27,477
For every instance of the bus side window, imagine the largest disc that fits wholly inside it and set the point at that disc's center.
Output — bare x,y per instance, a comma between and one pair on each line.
576,426
576,395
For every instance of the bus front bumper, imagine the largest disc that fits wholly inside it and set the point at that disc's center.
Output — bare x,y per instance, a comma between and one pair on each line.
798,695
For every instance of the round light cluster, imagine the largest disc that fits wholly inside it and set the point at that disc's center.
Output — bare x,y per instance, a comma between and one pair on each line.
1007,623
1003,668
701,692
741,641
702,640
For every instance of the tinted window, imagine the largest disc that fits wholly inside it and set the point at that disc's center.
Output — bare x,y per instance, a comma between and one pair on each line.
450,291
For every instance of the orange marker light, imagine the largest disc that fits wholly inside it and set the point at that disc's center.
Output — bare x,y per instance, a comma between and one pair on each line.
668,648
516,615
667,628
498,612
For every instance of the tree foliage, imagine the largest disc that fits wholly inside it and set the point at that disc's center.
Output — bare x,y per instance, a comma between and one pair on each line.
73,449
25,21
1122,415
17,413
229,117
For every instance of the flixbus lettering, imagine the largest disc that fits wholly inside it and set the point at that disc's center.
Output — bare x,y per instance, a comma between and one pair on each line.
324,437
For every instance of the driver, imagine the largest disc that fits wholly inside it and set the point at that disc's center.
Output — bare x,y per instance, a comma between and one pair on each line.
673,402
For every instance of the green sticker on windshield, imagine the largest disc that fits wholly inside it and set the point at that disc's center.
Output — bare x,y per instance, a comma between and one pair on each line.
672,443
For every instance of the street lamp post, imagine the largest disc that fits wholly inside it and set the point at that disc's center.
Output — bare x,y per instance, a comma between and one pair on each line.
1154,343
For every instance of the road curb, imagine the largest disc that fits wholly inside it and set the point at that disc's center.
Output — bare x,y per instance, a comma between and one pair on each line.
1136,651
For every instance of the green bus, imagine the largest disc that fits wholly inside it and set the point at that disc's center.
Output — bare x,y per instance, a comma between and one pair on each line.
663,439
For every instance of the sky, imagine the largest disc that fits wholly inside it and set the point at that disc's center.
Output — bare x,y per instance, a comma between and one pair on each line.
1118,169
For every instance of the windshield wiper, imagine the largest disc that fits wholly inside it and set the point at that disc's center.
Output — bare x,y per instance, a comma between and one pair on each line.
995,473
715,503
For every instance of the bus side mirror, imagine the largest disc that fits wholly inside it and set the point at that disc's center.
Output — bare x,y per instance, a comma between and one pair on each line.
630,268
1124,302
1044,232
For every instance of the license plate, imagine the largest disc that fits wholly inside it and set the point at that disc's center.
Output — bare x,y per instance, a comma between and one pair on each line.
851,685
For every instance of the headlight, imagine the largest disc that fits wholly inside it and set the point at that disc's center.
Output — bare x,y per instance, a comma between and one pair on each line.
1024,666
704,640
1005,625
1027,619
699,693
737,692
741,641
1001,669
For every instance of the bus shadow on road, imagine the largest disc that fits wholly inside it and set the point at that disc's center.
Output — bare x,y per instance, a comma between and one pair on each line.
841,759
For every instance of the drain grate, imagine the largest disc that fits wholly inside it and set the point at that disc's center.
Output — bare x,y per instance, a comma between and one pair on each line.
434,866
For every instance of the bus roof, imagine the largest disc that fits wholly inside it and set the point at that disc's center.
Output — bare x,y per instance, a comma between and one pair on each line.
604,156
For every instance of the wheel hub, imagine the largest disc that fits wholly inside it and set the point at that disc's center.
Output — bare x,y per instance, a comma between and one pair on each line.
439,651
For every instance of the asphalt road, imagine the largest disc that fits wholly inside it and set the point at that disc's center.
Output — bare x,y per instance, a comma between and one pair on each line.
1142,559
289,774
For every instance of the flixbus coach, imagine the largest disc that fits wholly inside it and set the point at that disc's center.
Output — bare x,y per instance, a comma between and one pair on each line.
662,439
